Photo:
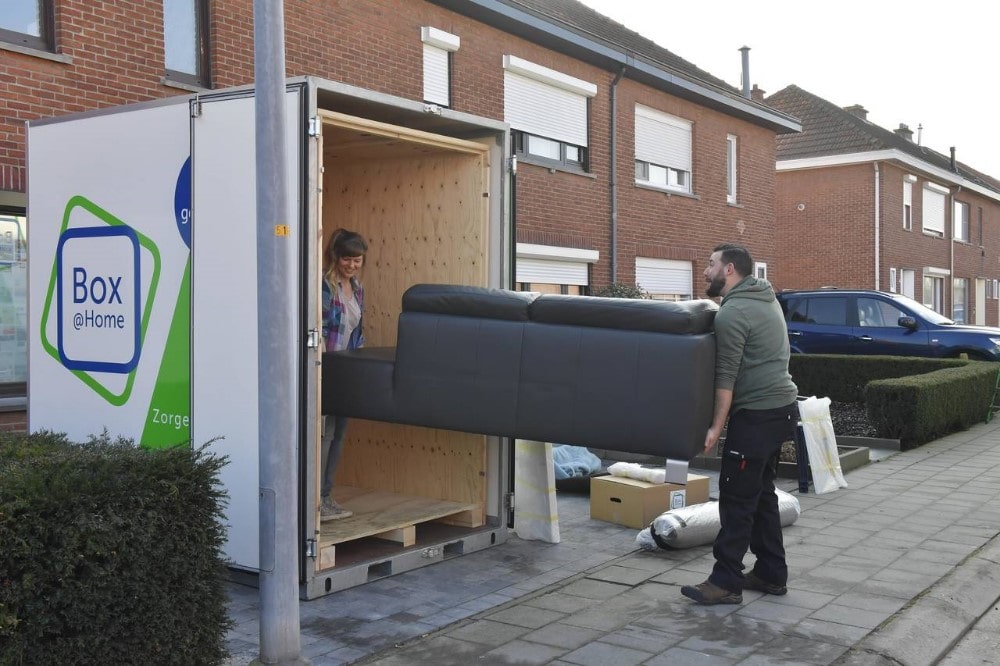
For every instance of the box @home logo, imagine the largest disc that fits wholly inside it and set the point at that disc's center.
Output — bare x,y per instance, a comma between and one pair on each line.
103,281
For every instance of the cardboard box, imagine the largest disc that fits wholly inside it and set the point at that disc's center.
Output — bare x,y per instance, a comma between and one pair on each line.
634,503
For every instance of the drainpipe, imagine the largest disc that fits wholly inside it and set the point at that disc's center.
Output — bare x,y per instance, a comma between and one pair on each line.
878,248
614,174
951,252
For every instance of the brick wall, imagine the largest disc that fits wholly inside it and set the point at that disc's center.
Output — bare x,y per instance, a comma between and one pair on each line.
831,240
117,57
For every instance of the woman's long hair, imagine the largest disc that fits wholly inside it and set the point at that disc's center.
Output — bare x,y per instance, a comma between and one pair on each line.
342,243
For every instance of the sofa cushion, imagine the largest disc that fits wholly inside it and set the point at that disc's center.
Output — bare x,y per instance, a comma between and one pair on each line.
683,317
450,299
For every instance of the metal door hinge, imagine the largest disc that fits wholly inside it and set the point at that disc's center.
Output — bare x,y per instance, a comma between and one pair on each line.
311,548
315,126
195,108
312,338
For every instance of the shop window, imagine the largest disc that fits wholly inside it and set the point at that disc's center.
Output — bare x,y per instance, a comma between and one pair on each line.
13,304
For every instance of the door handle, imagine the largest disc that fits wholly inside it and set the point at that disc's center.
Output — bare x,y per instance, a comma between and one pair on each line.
865,338
795,334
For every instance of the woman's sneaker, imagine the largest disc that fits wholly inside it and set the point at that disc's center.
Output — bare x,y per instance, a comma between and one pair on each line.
752,582
330,510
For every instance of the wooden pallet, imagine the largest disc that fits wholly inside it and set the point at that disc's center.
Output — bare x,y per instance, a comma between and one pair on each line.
388,516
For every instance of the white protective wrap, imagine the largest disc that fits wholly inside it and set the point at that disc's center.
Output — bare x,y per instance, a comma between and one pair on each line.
698,524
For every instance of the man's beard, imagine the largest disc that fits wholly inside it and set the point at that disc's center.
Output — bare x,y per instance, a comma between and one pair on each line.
714,287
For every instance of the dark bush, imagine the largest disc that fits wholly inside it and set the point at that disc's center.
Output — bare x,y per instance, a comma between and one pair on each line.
109,553
621,290
843,378
920,408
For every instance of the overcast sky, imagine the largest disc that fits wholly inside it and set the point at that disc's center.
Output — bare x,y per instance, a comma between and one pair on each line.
919,63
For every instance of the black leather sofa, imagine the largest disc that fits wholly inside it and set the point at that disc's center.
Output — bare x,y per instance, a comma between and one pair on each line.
617,374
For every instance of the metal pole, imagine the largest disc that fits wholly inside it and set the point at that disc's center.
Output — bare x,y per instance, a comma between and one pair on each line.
276,296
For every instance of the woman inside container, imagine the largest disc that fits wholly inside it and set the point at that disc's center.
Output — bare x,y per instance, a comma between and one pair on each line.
343,310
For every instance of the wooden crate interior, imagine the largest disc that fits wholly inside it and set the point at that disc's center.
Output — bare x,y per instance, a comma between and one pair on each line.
419,201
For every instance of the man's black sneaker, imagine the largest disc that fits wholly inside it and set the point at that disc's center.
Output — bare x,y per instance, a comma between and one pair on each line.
709,593
752,582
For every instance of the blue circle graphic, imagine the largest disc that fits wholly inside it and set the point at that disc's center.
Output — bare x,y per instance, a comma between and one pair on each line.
182,202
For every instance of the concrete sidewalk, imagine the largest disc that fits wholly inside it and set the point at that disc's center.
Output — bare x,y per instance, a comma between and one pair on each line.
901,567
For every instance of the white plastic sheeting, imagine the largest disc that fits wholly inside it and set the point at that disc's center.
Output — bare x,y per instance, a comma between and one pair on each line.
536,513
698,524
821,445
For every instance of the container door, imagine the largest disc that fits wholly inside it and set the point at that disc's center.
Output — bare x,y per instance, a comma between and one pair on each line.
108,274
224,313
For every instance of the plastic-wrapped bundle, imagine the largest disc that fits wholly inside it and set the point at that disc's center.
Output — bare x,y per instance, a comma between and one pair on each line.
698,524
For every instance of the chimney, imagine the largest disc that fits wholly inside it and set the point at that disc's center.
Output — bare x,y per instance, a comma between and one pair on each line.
857,110
953,159
904,132
757,94
745,50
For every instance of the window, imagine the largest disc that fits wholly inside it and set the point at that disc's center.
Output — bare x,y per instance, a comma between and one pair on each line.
908,278
980,226
828,311
933,209
438,47
27,23
731,169
908,203
662,150
185,41
554,269
959,300
934,293
875,313
960,221
760,270
548,113
664,279
996,289
13,304
892,280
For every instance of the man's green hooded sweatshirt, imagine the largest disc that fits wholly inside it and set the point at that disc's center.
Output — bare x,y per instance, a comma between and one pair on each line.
752,347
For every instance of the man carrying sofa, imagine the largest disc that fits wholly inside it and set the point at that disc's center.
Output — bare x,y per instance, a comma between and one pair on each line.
754,390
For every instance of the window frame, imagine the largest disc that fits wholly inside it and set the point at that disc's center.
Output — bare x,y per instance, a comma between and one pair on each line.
521,141
908,203
960,284
731,169
936,292
436,42
960,221
940,194
202,78
13,393
676,178
46,26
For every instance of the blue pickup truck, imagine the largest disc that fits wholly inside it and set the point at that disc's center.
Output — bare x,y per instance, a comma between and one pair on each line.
861,321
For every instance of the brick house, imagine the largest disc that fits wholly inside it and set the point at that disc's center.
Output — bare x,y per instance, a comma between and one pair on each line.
864,207
631,162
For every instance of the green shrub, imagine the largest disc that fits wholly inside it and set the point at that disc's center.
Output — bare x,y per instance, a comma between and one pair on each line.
621,290
920,408
843,378
109,553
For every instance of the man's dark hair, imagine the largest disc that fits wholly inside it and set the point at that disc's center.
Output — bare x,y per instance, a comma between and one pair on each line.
738,256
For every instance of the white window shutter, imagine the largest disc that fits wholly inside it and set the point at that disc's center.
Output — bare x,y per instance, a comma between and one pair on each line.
436,75
663,276
549,111
662,139
933,213
546,271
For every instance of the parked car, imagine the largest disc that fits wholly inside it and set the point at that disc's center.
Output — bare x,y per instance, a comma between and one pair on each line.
863,321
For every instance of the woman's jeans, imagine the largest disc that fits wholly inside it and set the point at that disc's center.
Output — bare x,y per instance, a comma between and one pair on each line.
332,443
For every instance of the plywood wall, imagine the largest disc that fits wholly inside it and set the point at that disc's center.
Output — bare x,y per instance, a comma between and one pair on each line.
426,221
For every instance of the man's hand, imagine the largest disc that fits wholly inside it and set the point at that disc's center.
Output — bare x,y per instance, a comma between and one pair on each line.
712,438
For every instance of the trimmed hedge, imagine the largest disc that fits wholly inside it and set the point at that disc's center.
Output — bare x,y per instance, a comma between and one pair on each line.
920,408
914,400
109,553
843,378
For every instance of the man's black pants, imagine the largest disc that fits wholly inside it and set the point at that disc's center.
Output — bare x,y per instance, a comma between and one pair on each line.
748,505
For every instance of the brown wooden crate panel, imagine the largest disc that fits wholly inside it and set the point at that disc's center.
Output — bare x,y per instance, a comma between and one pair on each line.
377,512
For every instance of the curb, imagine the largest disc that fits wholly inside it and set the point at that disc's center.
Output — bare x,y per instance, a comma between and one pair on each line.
926,630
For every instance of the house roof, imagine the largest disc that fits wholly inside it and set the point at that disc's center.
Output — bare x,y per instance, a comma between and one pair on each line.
571,27
828,129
